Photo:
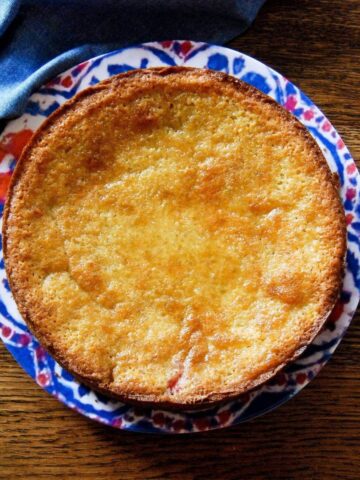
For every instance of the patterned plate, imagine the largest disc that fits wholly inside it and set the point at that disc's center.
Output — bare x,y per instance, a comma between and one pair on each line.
54,379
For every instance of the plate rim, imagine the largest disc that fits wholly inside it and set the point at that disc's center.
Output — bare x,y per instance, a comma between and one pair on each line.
135,427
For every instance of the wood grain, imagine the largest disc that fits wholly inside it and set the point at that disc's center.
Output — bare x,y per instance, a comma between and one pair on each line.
315,435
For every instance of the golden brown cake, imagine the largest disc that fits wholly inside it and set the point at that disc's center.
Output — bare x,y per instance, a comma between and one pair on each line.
172,236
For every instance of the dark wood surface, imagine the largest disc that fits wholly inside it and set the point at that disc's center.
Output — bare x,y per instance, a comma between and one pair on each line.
316,44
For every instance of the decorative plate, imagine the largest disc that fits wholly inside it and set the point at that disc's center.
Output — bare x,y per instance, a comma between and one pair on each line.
57,381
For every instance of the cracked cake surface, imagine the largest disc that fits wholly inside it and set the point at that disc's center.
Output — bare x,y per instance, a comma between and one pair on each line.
174,237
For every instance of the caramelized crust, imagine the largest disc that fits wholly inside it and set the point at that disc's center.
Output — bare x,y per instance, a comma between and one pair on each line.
173,236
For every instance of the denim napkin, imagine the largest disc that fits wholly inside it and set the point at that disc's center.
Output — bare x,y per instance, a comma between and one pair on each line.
41,38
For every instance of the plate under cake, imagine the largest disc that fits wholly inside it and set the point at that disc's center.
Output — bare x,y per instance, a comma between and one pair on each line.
173,237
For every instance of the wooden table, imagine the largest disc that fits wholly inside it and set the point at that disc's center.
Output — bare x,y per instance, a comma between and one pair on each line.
316,435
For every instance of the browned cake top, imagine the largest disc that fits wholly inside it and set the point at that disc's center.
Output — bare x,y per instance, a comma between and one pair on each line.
173,236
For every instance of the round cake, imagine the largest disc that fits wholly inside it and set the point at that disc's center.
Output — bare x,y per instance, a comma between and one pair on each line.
173,237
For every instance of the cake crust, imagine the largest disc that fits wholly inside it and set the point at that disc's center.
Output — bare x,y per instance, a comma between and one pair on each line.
25,205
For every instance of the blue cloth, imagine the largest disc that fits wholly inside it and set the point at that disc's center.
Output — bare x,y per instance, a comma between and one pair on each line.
41,38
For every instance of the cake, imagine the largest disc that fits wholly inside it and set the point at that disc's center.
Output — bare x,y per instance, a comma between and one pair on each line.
173,237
